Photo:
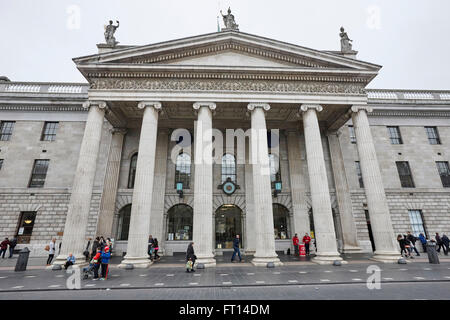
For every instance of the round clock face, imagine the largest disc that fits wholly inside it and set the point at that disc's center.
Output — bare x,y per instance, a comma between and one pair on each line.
229,187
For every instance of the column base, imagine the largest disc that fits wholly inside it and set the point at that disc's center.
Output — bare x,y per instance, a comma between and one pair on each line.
249,252
137,262
352,249
386,256
262,261
328,258
206,261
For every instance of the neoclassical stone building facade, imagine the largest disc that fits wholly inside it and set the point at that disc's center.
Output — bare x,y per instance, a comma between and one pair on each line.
352,166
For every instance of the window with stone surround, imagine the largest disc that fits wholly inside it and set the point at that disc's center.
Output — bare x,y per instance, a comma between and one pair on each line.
183,170
6,130
228,167
351,130
280,221
39,173
433,135
180,221
404,172
1,164
123,226
25,226
444,172
394,135
275,172
359,174
417,225
49,131
132,172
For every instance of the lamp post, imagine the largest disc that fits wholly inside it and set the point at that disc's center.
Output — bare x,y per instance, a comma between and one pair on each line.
180,189
278,187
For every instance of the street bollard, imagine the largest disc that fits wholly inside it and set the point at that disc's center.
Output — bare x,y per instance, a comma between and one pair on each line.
432,253
22,261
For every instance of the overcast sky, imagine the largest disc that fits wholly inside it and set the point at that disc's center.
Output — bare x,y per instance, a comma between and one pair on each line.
409,38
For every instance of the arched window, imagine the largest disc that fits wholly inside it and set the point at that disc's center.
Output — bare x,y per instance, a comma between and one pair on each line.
180,220
275,172
228,167
280,221
183,170
123,226
132,174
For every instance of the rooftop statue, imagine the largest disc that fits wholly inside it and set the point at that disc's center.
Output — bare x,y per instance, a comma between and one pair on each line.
229,22
109,33
346,46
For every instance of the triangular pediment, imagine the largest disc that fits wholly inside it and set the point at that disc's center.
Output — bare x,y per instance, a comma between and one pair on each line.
227,49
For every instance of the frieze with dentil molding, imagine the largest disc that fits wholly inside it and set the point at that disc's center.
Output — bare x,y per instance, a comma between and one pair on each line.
228,85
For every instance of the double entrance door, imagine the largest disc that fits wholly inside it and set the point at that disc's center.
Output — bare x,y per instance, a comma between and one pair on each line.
228,225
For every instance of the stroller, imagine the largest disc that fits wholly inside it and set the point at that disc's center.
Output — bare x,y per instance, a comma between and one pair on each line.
88,271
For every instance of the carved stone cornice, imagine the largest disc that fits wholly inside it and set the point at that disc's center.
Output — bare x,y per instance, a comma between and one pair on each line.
58,108
410,113
117,130
228,86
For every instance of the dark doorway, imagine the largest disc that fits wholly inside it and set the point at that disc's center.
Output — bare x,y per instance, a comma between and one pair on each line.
228,225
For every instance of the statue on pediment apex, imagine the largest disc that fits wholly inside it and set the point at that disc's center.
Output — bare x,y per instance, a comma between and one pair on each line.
229,22
346,45
109,33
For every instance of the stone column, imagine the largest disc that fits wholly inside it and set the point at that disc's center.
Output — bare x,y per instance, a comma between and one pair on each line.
74,238
298,190
380,219
349,234
326,247
108,203
250,245
203,185
137,248
159,189
262,191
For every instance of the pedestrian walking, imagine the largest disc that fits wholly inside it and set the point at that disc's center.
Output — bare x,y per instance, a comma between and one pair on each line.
236,249
408,246
190,254
446,243
70,261
150,247
51,251
12,245
295,242
96,262
3,247
423,240
306,240
439,243
156,248
105,255
95,245
402,244
412,239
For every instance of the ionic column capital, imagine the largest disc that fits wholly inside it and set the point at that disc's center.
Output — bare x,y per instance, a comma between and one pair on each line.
306,107
117,130
211,105
253,106
155,104
91,103
357,108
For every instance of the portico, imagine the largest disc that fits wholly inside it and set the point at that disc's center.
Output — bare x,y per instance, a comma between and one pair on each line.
230,80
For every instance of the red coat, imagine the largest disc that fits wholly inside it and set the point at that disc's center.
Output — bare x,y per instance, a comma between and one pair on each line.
295,241
4,244
97,257
306,239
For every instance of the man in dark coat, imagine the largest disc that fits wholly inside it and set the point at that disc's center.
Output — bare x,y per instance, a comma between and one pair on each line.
236,249
446,243
191,255
12,245
439,243
412,239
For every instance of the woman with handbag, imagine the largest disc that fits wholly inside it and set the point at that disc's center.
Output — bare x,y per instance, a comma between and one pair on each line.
156,248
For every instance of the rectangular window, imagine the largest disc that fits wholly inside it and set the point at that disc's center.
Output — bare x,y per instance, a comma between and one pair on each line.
6,129
394,135
405,175
416,219
351,129
1,164
359,173
39,173
25,226
444,172
433,135
49,131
